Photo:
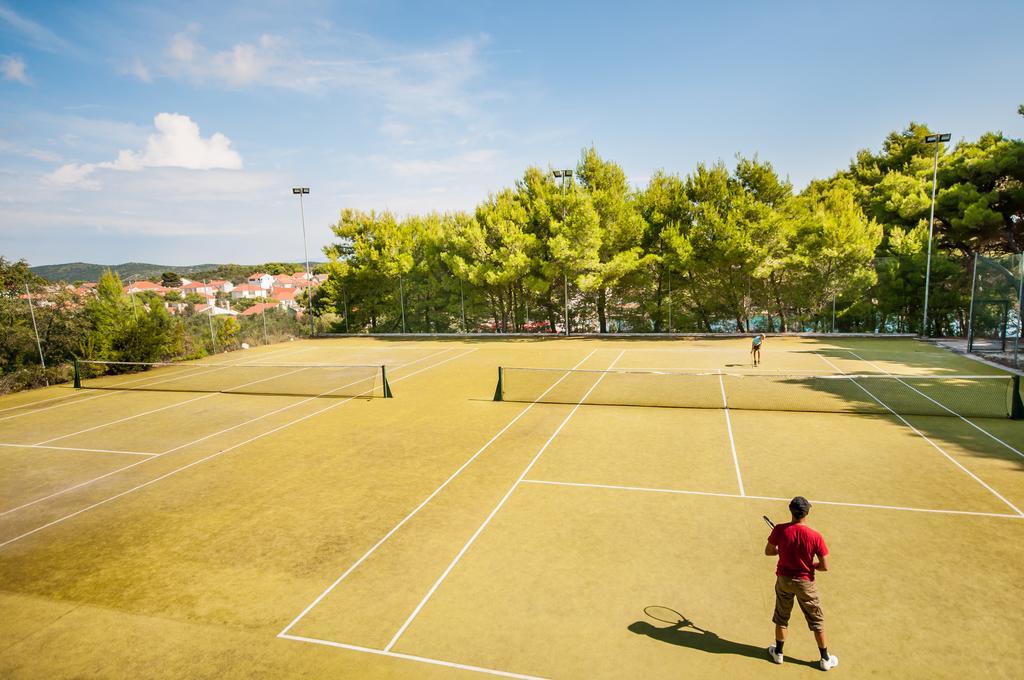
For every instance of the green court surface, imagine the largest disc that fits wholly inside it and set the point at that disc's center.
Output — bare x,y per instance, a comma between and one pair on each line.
305,526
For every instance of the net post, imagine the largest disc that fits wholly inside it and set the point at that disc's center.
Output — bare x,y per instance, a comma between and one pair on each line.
1016,405
387,386
499,391
78,375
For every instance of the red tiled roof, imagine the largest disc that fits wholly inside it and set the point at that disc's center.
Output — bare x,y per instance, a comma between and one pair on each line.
283,293
259,308
247,287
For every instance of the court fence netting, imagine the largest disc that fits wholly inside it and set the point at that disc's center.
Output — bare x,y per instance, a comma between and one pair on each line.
299,380
970,396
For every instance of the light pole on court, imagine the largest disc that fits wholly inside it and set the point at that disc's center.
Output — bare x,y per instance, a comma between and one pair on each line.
936,140
299,191
564,177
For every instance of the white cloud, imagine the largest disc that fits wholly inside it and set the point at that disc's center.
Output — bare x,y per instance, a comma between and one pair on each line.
243,64
13,68
139,70
434,80
177,143
39,36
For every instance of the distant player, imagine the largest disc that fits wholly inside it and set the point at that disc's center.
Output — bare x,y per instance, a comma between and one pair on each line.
797,545
755,347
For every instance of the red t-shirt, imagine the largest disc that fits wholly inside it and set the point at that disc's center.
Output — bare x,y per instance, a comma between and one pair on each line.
798,544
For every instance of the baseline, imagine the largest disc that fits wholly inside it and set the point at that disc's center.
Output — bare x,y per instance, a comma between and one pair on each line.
410,657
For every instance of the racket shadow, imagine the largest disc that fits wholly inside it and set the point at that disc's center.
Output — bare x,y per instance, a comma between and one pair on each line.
685,634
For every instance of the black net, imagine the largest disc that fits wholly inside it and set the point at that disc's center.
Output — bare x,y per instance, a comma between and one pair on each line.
307,380
970,396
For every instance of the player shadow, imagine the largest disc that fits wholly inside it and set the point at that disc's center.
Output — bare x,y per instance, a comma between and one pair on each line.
705,641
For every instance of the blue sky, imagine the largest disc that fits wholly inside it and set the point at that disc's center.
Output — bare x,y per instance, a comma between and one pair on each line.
173,133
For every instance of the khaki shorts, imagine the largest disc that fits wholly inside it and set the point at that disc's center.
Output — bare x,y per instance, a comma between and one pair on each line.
806,594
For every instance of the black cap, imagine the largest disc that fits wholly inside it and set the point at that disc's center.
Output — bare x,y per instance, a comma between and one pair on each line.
799,506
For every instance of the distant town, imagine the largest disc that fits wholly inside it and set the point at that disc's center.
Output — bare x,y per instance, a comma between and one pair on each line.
258,292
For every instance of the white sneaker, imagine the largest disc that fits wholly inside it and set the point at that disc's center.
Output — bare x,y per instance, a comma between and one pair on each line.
831,662
773,655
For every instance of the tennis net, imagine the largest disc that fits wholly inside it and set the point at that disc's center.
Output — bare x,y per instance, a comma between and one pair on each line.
970,396
301,380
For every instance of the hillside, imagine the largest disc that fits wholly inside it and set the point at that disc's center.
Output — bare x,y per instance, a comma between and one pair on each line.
85,271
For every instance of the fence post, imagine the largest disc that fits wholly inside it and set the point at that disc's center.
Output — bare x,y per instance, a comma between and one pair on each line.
35,329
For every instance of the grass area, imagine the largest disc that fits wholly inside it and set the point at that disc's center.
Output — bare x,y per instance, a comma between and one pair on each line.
154,532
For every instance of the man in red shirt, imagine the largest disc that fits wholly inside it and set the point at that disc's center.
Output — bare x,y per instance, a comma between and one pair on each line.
797,546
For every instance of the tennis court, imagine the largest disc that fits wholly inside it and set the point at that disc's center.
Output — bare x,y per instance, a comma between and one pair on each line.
270,513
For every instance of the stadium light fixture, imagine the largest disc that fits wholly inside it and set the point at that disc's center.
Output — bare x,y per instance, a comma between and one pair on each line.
935,139
299,191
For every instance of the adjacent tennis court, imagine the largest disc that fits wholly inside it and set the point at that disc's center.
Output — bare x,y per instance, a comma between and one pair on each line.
273,513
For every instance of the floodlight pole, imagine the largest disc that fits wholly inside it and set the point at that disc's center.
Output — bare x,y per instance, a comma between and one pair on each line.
299,191
833,312
936,140
563,176
213,339
35,329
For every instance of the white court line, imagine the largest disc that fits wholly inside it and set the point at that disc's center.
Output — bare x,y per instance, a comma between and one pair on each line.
411,657
494,512
71,448
389,534
196,441
219,453
683,492
923,436
169,406
732,441
966,420
113,391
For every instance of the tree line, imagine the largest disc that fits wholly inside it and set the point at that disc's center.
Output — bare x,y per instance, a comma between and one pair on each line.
725,247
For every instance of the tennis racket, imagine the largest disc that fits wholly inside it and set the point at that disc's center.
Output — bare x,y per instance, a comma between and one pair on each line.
769,522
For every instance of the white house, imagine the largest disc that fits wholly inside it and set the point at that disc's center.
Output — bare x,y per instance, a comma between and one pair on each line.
247,290
222,286
197,287
264,281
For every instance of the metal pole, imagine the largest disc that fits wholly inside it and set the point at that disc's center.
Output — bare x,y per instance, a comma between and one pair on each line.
1020,309
670,299
344,296
305,252
263,313
401,299
833,312
931,226
213,338
565,272
35,329
462,302
970,309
